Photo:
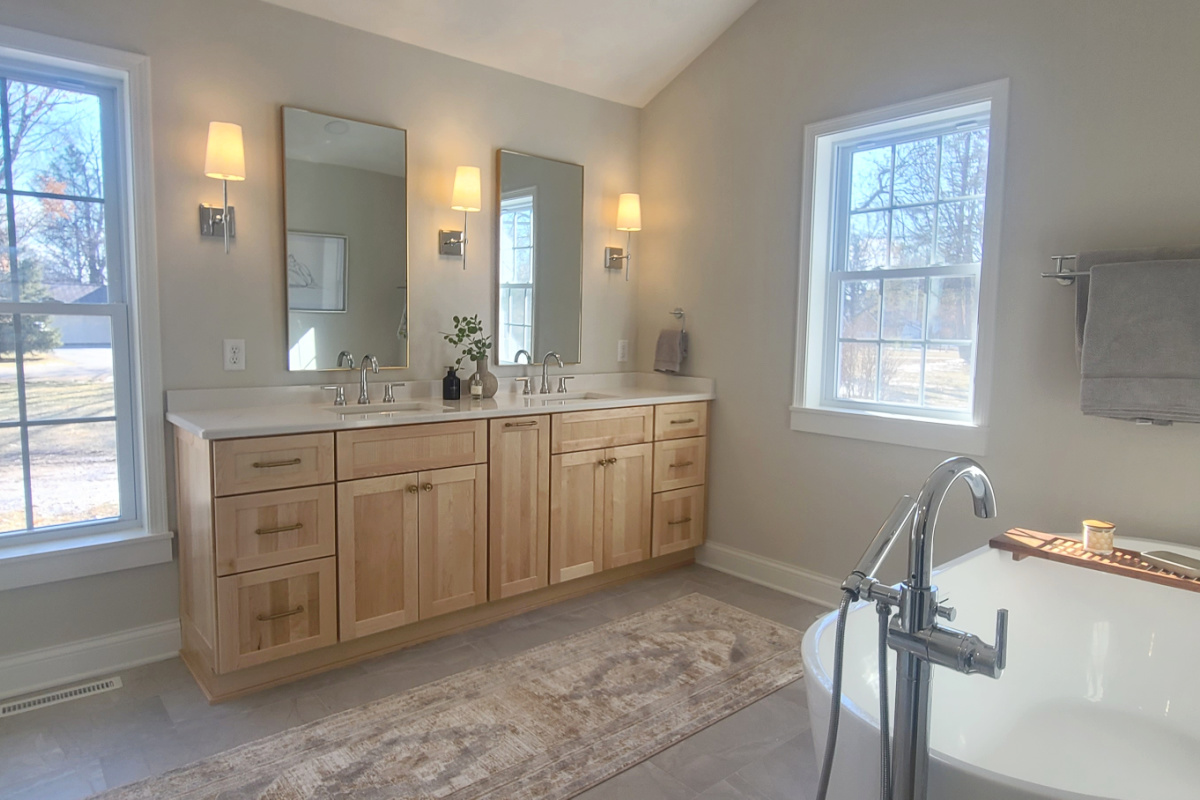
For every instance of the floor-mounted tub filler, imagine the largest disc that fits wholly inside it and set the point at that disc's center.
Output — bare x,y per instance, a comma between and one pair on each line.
1097,700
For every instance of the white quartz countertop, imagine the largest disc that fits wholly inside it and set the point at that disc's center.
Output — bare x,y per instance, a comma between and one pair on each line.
239,413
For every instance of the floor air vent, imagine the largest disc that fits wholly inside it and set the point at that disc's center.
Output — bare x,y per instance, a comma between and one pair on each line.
61,696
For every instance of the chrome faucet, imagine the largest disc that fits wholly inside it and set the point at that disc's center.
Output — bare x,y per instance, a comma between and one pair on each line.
528,360
918,639
545,370
373,363
345,359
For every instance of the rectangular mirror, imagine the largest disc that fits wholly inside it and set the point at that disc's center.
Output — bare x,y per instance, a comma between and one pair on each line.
346,217
539,258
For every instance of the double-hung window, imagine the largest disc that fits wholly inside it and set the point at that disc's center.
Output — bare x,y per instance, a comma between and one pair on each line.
900,251
518,262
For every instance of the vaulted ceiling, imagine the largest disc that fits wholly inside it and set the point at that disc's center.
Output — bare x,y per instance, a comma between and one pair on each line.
620,50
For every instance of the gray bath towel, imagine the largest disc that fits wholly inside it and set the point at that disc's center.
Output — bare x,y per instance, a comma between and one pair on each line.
1141,342
671,350
1087,260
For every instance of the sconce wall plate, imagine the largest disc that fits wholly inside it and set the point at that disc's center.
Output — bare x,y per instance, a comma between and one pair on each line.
450,243
212,222
614,258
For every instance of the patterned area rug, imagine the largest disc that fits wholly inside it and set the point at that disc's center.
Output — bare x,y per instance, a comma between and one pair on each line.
548,723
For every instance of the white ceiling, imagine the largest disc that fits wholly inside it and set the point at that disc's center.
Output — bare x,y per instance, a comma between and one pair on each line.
621,50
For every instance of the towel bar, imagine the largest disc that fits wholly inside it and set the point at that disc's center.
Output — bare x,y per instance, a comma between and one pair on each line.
678,314
1065,277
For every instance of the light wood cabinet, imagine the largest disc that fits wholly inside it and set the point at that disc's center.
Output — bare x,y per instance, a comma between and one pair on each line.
679,463
611,427
576,515
371,452
452,539
678,520
680,421
628,486
519,497
377,554
600,510
273,613
268,529
272,462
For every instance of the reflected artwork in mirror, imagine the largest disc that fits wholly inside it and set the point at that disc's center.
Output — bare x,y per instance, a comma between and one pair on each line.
539,258
346,221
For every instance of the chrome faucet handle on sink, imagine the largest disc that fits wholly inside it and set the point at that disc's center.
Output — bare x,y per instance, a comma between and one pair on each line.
526,389
562,383
388,396
339,397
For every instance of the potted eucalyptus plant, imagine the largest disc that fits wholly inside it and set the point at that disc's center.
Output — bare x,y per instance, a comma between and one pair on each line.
472,345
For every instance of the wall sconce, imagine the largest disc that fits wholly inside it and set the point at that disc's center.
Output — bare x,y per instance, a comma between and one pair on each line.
225,160
629,218
466,198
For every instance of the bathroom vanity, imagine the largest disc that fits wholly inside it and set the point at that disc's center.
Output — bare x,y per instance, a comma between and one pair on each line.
312,536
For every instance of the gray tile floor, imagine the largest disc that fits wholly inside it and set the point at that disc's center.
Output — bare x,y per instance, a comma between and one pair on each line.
160,720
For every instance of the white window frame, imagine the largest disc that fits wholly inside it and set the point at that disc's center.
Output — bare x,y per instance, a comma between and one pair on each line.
812,411
507,197
144,538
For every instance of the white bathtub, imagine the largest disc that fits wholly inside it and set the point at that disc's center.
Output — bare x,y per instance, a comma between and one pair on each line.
1101,698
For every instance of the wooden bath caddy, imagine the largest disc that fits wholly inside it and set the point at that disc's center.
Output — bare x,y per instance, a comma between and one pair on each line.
1024,544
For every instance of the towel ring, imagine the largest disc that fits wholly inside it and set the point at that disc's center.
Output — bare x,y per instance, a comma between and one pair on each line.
682,317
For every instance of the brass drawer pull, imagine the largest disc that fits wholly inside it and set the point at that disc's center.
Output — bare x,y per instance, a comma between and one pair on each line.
679,521
413,489
528,424
428,487
683,421
681,464
280,529
291,462
281,614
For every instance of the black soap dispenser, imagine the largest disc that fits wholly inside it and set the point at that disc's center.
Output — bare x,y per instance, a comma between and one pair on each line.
451,385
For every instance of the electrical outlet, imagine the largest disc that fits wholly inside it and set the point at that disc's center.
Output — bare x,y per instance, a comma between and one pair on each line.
622,351
235,355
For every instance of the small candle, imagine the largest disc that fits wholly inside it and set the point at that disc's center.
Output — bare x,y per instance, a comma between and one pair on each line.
1098,536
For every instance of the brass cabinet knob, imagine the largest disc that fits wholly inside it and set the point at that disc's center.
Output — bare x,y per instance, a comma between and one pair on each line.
612,461
428,487
412,489
602,462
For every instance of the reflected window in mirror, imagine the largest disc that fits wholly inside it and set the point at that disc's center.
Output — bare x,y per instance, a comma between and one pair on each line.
518,265
346,258
539,236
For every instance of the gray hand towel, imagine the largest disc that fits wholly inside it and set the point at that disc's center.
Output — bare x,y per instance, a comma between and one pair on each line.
671,350
1141,342
1087,260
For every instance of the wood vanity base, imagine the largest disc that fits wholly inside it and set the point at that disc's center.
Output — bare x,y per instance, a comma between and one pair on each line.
218,688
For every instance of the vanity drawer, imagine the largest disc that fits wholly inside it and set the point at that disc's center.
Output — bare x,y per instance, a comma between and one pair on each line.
680,421
678,520
275,613
255,531
241,466
679,463
593,430
373,452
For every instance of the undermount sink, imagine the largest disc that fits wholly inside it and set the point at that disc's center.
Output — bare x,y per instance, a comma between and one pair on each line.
375,409
562,398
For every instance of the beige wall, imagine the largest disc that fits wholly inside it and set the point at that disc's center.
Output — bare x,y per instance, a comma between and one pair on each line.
239,61
1102,153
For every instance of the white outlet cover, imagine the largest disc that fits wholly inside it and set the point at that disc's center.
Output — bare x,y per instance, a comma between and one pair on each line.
235,355
622,351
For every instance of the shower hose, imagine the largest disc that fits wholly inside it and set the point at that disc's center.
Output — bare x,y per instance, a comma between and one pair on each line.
839,653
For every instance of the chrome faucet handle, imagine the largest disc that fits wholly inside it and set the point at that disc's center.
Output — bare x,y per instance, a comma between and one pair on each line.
1001,639
339,397
946,611
562,383
388,396
525,389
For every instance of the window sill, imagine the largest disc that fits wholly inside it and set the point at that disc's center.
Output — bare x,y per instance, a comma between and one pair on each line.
30,563
947,437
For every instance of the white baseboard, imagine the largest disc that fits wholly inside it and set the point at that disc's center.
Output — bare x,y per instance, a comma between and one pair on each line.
34,670
768,572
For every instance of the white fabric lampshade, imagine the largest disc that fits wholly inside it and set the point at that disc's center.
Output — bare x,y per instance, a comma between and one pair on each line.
467,192
629,212
226,158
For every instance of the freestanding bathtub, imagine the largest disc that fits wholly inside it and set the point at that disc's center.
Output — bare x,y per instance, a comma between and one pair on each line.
1101,697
